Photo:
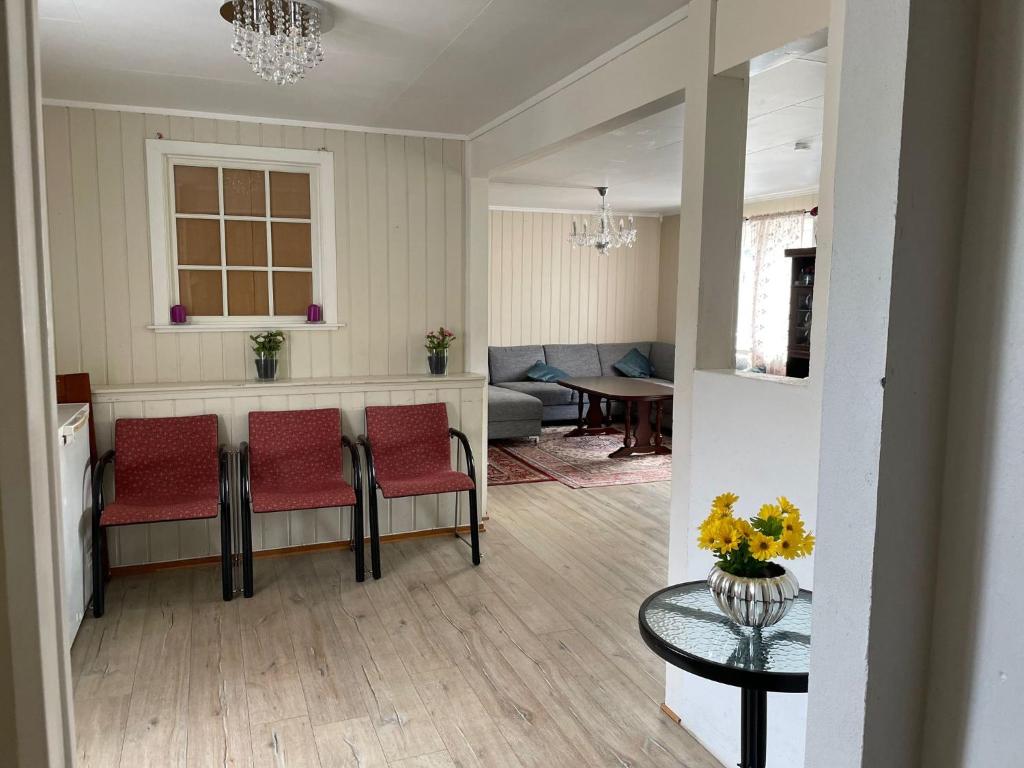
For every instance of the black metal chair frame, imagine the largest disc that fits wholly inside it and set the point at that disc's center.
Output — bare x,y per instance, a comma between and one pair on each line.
99,541
245,488
372,486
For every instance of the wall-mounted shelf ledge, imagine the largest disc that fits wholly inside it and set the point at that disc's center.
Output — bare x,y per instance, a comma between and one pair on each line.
216,328
255,388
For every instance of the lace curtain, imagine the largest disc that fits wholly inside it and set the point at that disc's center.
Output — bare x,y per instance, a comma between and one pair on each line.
762,323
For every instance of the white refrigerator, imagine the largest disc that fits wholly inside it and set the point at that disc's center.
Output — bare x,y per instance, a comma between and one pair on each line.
76,512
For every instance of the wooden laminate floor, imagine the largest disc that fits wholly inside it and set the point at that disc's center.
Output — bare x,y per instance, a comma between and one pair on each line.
533,659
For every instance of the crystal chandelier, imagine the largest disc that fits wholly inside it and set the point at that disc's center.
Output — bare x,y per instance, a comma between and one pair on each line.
279,38
602,232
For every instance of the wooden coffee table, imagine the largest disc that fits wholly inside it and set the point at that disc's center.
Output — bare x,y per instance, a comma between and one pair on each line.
638,395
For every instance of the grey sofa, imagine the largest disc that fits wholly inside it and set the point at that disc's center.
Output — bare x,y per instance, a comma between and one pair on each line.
518,406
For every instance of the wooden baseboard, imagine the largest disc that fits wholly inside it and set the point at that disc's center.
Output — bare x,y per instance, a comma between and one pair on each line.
671,715
131,570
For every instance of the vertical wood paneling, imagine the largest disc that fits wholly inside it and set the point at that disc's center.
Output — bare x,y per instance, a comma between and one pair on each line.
436,224
416,184
377,199
88,245
320,362
400,262
398,255
543,291
60,208
452,152
358,240
110,177
140,286
341,342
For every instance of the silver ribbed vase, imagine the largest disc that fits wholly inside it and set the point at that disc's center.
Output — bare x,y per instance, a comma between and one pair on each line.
753,602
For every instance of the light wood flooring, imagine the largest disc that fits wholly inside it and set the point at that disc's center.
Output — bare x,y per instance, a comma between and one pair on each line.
533,659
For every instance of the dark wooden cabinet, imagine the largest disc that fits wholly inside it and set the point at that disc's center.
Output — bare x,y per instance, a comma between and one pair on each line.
801,301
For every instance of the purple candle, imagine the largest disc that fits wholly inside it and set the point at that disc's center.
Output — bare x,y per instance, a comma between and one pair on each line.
314,314
178,314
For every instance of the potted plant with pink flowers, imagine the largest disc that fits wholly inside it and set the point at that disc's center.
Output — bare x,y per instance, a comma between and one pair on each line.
437,343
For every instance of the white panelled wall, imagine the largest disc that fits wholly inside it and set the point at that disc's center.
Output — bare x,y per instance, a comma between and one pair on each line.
544,291
399,212
399,222
159,542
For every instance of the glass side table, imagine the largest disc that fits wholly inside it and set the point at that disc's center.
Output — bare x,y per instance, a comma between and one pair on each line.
683,626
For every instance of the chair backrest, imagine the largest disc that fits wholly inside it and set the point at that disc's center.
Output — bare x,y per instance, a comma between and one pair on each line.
294,448
166,458
409,440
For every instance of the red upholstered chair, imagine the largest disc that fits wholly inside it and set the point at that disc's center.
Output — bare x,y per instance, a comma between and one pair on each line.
293,461
408,453
165,470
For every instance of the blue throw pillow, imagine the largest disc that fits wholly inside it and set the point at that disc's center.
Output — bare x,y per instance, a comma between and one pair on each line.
541,371
635,365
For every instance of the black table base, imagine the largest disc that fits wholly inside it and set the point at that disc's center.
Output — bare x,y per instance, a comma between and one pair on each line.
753,728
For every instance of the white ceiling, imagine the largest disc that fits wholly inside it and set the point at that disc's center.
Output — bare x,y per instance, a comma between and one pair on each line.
447,66
642,163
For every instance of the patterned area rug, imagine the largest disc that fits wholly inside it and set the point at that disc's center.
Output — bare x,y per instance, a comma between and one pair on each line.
582,462
505,469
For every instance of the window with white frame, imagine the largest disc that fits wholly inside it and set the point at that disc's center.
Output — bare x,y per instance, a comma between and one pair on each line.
242,237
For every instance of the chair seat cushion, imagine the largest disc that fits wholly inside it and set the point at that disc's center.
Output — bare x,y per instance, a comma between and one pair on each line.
505,404
437,482
548,393
281,499
129,513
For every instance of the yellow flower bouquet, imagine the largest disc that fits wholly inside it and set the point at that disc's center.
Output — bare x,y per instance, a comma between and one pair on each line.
745,547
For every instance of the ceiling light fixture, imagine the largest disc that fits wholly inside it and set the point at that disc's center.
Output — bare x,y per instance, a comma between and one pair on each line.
279,38
602,232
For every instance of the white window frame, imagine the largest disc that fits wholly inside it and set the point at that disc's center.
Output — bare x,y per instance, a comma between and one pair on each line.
162,155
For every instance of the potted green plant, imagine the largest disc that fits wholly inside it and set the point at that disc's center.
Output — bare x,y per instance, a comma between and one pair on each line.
437,343
748,585
266,345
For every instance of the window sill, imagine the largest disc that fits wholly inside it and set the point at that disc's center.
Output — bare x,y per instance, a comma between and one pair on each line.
226,327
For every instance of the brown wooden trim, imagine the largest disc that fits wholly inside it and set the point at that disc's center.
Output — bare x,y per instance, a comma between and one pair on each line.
194,562
671,715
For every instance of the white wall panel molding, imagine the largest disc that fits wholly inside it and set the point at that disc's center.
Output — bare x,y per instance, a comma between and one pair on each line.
399,263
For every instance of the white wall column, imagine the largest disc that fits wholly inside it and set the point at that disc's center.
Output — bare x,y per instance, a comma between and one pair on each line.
35,713
901,156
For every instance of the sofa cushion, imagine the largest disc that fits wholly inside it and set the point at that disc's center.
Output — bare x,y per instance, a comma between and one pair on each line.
574,359
512,363
610,354
508,405
635,365
548,394
663,358
541,371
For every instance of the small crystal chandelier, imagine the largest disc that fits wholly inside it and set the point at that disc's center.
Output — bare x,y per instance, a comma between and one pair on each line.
279,38
602,232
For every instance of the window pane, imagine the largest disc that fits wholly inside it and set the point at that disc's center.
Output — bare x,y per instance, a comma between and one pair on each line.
291,244
200,291
247,293
199,241
293,292
244,192
245,243
289,195
195,189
